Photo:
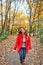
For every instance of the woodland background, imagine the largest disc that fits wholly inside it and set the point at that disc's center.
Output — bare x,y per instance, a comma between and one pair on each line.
17,13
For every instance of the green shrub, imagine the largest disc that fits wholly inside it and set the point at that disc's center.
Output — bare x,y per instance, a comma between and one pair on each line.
15,31
41,39
3,36
40,34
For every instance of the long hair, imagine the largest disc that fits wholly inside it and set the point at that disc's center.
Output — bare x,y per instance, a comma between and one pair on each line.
20,32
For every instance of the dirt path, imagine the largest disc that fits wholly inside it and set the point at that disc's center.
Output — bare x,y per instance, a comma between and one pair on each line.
9,57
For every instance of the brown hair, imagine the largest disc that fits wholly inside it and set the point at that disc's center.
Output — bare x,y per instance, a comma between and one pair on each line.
19,31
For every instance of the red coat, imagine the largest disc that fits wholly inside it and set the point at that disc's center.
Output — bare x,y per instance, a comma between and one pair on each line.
18,43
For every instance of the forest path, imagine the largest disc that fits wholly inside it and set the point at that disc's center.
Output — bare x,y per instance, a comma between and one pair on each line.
10,57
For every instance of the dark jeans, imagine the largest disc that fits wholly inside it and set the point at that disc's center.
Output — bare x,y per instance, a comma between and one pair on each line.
22,54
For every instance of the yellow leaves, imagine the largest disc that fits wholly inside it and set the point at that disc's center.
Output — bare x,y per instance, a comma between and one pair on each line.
10,26
12,11
20,17
24,18
19,13
41,14
33,26
0,7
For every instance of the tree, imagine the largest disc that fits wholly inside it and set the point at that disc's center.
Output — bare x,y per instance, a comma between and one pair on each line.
1,16
5,24
36,12
30,8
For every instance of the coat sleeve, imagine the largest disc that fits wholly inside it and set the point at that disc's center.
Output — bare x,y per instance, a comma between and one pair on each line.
30,45
16,43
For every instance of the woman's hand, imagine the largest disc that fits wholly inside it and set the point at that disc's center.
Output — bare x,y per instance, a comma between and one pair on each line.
14,50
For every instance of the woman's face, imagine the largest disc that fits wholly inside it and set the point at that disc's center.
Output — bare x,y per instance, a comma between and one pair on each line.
22,30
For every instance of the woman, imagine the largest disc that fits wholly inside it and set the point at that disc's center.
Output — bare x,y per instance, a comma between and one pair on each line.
22,44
